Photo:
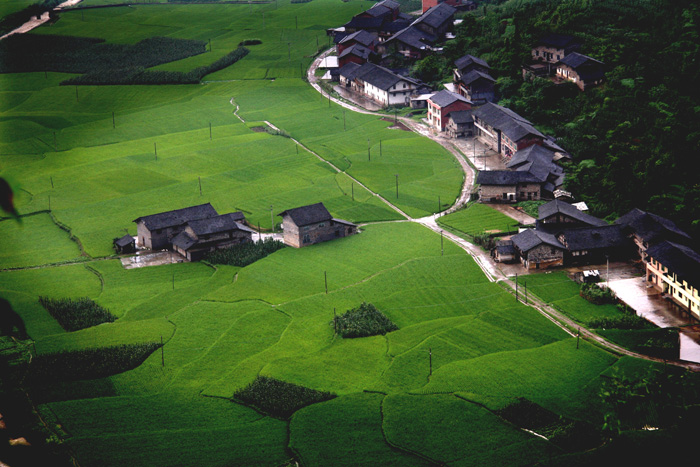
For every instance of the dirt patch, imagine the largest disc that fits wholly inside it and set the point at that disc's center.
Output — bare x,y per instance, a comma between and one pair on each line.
396,125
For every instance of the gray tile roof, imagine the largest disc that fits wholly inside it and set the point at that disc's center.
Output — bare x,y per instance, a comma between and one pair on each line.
555,206
414,37
575,60
530,238
444,98
588,69
506,177
679,259
222,223
177,217
437,16
124,241
593,238
379,76
361,37
349,70
558,41
652,228
476,75
306,215
513,125
470,60
184,241
358,51
461,116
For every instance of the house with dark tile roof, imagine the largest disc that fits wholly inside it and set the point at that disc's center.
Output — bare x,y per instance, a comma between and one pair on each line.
441,104
538,250
469,63
410,42
558,215
509,186
437,21
503,130
356,53
553,47
674,270
157,231
205,235
306,225
380,84
580,69
125,244
593,245
477,86
539,161
361,37
460,123
647,229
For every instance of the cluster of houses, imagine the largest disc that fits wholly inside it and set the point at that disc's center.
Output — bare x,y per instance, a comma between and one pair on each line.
197,230
557,56
565,235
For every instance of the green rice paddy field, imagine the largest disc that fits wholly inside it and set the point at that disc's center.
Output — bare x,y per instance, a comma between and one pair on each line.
427,394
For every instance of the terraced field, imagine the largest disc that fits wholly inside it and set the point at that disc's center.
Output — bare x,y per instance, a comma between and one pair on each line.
427,394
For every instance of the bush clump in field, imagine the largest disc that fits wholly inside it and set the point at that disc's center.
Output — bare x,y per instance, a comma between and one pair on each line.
245,253
363,321
88,363
663,344
627,321
249,42
279,398
598,295
76,314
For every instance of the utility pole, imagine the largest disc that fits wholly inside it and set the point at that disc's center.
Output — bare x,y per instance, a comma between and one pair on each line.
516,287
325,279
162,354
259,233
369,156
430,361
380,148
51,178
289,51
272,222
335,322
525,287
352,187
155,150
442,244
76,94
114,123
343,119
578,336
209,131
200,186
397,185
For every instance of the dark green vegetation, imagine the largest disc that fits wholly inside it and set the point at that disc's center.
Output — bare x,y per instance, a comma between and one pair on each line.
633,139
279,398
15,13
597,295
363,321
246,253
76,314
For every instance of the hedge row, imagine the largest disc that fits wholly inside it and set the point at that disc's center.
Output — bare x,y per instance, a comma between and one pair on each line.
67,54
76,314
598,295
245,253
138,75
88,363
363,321
279,398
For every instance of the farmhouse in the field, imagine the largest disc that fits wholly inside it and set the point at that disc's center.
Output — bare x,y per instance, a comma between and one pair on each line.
125,244
202,236
311,224
508,186
441,104
580,69
537,249
674,269
156,232
460,124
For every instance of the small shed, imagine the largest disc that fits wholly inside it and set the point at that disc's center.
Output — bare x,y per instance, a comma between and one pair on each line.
125,244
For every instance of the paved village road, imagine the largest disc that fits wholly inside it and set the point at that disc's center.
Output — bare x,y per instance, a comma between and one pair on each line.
483,260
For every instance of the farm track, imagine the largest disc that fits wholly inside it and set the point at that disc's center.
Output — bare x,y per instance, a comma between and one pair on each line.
481,259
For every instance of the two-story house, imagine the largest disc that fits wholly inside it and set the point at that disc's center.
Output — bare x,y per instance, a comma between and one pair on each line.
311,224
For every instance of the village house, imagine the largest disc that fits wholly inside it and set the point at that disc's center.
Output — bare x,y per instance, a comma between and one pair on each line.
594,245
156,232
437,21
472,80
647,229
441,104
202,236
361,37
410,42
538,250
507,186
503,130
674,270
539,161
549,50
580,69
311,224
125,244
356,53
504,252
375,18
558,215
460,124
379,84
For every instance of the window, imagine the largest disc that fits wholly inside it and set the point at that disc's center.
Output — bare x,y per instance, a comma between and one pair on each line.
322,224
307,238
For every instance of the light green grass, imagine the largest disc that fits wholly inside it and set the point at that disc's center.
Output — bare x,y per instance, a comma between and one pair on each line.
478,218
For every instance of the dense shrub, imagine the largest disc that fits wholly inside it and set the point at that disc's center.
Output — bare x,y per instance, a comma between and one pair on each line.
363,321
663,344
598,295
279,398
301,1
76,314
249,42
245,253
88,363
625,321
